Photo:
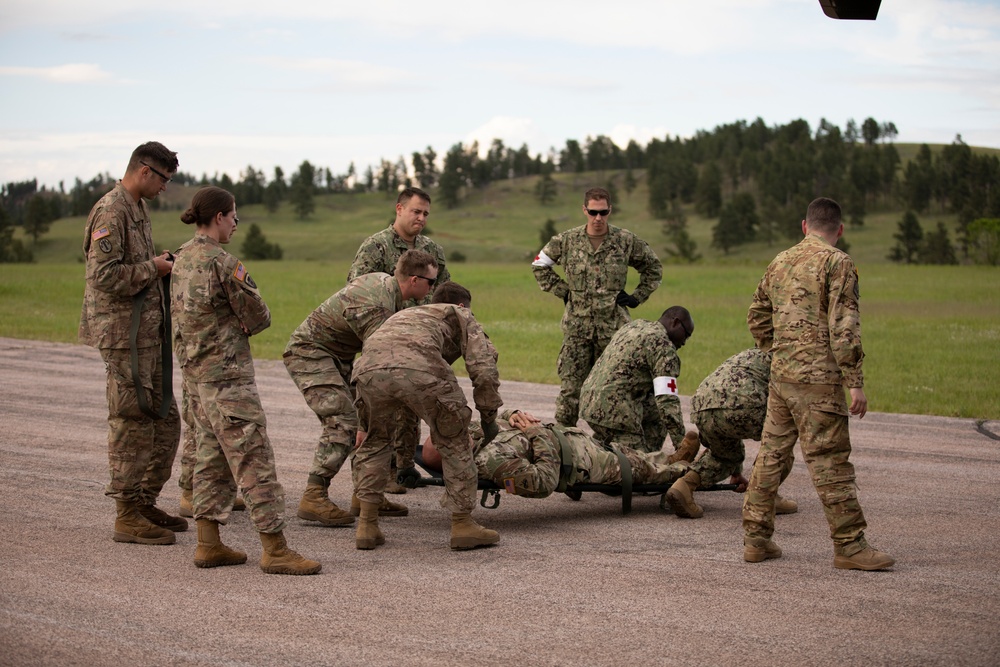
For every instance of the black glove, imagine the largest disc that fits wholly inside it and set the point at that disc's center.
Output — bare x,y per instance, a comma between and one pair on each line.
407,477
626,300
566,298
490,430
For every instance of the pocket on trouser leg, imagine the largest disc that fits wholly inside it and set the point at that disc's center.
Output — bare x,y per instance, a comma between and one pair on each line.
452,418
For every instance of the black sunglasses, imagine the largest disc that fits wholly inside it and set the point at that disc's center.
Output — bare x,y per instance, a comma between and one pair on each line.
594,212
166,179
430,281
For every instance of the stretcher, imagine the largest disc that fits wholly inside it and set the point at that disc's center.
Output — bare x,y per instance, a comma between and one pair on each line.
490,492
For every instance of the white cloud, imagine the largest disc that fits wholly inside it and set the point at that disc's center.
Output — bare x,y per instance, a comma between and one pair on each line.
511,130
71,73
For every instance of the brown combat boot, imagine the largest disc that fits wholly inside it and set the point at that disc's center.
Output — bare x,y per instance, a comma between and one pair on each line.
186,507
867,559
387,508
467,534
317,506
368,534
687,450
160,518
279,559
131,526
211,552
680,496
761,551
785,506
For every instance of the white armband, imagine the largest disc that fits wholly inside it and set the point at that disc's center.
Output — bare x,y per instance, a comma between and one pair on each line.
665,386
541,259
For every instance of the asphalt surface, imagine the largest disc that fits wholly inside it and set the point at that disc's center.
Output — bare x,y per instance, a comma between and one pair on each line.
570,583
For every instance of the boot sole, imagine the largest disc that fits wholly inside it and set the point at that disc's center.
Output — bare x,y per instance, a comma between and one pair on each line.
220,563
679,507
292,571
463,543
843,563
128,538
309,516
759,555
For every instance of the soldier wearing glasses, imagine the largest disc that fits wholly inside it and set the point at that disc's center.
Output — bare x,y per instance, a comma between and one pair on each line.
320,356
121,263
631,396
595,258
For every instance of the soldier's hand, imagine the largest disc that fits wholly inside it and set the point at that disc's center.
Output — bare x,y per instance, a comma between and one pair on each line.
490,430
740,481
627,300
164,264
407,477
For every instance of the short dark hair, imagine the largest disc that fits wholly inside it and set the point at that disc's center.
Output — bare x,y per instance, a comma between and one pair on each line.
676,313
414,263
452,292
206,203
408,193
155,153
823,215
596,193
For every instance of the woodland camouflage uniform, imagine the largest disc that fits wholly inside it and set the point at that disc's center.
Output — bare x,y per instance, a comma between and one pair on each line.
619,400
216,306
118,245
591,283
805,309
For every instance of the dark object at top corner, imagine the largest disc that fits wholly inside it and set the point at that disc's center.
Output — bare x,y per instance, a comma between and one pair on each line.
858,10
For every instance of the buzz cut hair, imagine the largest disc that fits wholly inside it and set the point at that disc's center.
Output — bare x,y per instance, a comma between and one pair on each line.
824,215
596,193
453,293
155,153
414,263
409,193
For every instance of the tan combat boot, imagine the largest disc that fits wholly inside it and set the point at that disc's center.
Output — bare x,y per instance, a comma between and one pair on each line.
467,534
186,507
130,526
317,506
279,559
368,535
760,551
867,559
387,508
158,517
687,450
211,552
785,506
392,486
680,496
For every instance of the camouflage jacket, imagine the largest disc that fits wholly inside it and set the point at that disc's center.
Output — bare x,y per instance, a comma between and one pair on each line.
805,308
341,324
594,278
431,338
216,307
640,362
739,383
380,252
118,245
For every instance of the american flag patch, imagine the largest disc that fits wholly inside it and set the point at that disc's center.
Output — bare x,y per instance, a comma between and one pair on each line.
100,233
508,484
240,273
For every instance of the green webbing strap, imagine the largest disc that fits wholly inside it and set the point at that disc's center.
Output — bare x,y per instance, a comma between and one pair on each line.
565,459
626,468
165,352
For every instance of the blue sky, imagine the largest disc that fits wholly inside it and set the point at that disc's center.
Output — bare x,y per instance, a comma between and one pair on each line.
228,83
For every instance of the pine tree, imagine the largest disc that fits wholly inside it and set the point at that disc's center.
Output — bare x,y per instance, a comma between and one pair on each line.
545,189
256,246
937,247
908,239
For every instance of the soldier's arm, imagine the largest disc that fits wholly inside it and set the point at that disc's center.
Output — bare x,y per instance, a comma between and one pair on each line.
106,267
759,317
665,368
481,365
650,269
845,322
243,296
546,277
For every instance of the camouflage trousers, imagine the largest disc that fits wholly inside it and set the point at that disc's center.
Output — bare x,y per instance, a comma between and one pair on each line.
577,357
141,450
189,444
395,397
233,448
722,433
816,416
650,438
595,464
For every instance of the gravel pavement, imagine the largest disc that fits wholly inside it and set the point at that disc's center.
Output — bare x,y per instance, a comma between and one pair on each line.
570,583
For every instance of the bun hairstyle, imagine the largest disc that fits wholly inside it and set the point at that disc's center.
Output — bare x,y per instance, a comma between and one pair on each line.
205,204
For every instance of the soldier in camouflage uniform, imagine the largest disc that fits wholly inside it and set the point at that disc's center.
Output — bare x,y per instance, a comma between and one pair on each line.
805,309
630,397
189,456
728,407
122,266
216,308
595,258
379,253
526,456
319,357
405,368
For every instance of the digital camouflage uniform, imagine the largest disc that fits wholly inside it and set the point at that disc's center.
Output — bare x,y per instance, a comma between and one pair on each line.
729,407
805,309
405,369
118,245
320,356
216,307
591,283
528,463
379,253
630,396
